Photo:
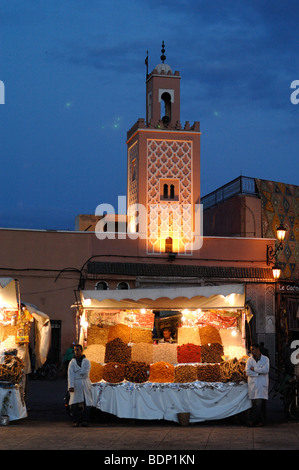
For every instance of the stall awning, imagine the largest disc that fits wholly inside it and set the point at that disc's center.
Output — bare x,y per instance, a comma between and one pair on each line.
221,296
8,293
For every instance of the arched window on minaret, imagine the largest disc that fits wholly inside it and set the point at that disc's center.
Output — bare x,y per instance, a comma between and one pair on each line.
165,191
166,114
172,191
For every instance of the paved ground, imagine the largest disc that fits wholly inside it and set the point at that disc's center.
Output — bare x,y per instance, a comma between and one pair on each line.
48,428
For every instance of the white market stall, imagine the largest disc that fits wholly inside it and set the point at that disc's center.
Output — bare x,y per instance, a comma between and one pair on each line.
135,376
16,321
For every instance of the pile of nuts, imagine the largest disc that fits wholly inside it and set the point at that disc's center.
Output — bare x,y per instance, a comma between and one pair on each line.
208,373
185,373
166,352
141,335
142,352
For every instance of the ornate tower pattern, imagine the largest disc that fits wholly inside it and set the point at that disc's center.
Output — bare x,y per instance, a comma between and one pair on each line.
169,192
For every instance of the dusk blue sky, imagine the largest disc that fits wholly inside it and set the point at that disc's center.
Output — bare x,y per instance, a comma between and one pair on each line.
74,77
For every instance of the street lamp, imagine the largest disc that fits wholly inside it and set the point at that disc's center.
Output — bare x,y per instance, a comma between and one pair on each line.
276,271
272,253
281,232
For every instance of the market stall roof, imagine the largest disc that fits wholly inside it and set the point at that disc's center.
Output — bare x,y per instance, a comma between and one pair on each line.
8,293
221,296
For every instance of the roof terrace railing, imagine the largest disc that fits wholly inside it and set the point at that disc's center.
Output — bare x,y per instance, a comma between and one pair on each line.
241,185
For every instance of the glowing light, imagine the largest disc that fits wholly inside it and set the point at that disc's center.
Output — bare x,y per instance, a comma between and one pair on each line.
234,333
83,322
133,228
230,299
87,302
281,233
143,310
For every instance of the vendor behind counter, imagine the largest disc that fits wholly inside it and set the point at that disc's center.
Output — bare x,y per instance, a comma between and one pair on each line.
167,336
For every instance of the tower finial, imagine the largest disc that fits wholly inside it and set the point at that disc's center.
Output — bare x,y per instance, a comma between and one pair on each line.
163,56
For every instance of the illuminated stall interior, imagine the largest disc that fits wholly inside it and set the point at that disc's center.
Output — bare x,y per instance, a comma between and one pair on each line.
208,326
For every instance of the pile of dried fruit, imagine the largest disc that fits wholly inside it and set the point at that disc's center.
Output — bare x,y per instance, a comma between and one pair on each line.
188,335
97,335
117,351
96,372
211,353
7,330
142,352
95,352
233,370
189,353
209,334
208,373
185,373
141,335
12,369
114,372
137,372
161,372
119,331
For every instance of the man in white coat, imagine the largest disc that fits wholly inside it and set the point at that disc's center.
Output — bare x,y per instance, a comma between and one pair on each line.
257,371
79,386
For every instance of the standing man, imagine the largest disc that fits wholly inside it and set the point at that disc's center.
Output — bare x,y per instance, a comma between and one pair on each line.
257,371
79,386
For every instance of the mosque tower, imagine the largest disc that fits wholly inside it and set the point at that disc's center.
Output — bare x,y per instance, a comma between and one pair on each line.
163,168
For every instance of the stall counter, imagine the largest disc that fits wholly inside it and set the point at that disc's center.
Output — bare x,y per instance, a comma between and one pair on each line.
205,401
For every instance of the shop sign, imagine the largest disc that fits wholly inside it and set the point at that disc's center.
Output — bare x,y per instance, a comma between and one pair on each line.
288,288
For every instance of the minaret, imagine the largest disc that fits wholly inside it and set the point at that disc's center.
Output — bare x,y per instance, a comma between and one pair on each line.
163,168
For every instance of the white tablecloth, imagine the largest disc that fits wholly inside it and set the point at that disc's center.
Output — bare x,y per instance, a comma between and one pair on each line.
16,407
204,401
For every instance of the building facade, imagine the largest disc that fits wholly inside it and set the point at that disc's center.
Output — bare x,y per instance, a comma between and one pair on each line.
251,207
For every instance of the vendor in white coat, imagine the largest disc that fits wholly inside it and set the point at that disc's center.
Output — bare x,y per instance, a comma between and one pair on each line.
79,386
257,371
